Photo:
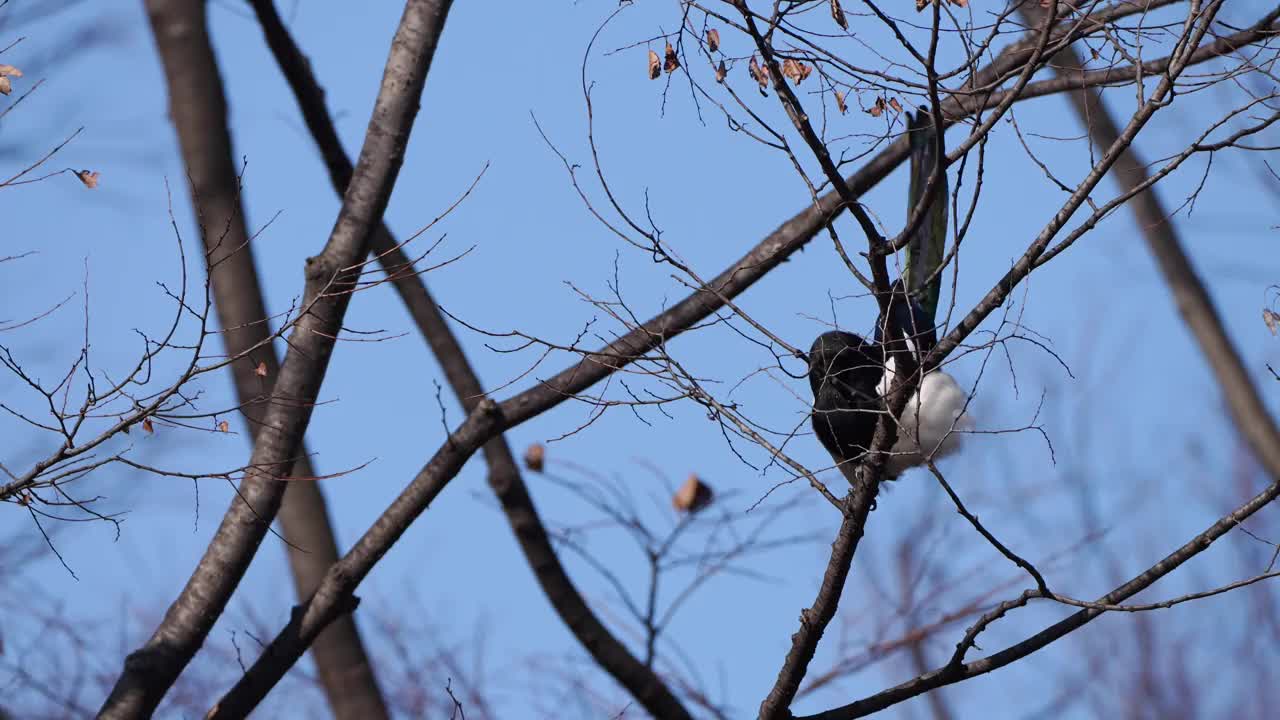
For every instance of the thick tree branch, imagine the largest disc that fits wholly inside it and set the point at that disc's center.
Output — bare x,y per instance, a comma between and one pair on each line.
1265,28
335,596
331,277
198,110
814,619
504,474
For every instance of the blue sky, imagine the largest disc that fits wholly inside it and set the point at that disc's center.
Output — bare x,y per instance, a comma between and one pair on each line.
1139,432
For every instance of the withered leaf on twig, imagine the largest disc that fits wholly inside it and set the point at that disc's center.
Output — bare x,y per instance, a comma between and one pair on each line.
7,71
759,73
261,370
878,109
655,65
1272,319
88,177
224,426
146,425
897,106
713,40
693,495
670,62
795,70
535,457
837,14
721,72
840,103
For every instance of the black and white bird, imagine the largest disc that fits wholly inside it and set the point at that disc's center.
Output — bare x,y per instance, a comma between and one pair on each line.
845,372
850,378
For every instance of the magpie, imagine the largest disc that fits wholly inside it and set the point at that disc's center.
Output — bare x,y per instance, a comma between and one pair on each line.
851,377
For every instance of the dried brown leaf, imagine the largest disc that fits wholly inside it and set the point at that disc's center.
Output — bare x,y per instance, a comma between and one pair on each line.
670,62
795,70
897,106
837,14
693,495
759,73
721,72
960,3
878,109
6,87
224,426
713,40
261,370
1272,319
146,425
790,69
10,70
840,103
655,65
535,457
88,177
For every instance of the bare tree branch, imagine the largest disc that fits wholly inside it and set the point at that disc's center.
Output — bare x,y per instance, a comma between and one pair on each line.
331,277
198,110
335,595
504,474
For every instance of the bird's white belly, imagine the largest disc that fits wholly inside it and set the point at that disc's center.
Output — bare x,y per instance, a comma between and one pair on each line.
931,423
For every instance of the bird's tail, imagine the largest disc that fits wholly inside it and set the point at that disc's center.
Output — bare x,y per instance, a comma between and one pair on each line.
924,251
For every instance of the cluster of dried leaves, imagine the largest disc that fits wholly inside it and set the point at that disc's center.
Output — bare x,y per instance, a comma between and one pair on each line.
795,70
669,62
878,108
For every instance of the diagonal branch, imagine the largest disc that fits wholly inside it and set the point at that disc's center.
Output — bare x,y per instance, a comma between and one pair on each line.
335,596
198,110
504,474
330,279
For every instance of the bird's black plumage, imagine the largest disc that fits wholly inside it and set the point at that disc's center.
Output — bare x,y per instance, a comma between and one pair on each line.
912,320
844,370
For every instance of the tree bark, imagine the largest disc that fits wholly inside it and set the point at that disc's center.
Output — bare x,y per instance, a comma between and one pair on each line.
504,474
331,279
198,110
